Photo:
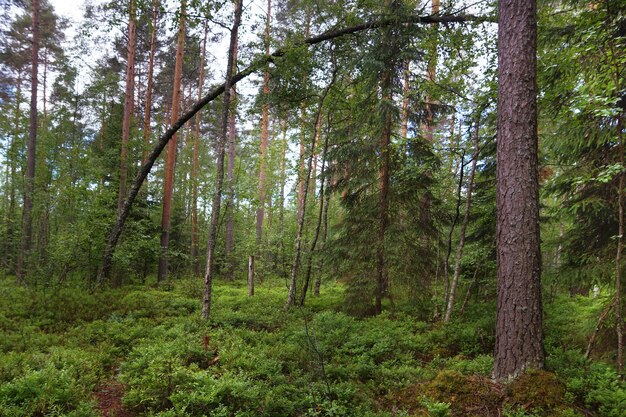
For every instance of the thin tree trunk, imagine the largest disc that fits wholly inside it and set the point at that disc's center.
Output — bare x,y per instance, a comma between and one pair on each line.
219,178
148,109
291,299
260,212
618,256
229,245
318,279
250,275
129,97
466,218
469,291
194,168
431,73
307,277
29,180
519,322
12,168
117,227
386,84
457,214
170,166
405,100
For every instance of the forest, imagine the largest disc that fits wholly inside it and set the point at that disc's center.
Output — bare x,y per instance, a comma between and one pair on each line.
312,208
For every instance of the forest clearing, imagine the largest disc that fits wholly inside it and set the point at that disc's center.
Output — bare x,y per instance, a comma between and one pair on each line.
382,208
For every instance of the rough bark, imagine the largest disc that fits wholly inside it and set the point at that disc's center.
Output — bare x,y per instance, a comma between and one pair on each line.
129,97
219,178
250,275
29,180
194,164
466,217
116,228
170,165
519,331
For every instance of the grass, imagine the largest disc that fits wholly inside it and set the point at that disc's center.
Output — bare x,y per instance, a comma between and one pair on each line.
59,347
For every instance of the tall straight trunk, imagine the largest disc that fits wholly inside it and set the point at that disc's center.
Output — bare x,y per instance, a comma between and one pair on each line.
291,298
168,183
29,180
283,177
260,212
318,278
519,330
431,73
129,98
466,218
618,256
11,168
229,244
44,85
219,177
405,100
301,158
148,109
194,167
320,217
386,84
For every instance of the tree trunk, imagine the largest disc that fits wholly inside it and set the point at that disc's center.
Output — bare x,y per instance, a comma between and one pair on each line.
229,245
260,212
519,331
250,275
170,166
431,73
219,178
291,299
405,100
148,109
620,245
129,97
307,277
318,279
29,180
466,218
194,167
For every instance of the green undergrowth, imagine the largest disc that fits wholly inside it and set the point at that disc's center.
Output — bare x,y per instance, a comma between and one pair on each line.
253,358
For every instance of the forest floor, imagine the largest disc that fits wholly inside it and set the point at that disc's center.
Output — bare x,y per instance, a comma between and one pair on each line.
144,351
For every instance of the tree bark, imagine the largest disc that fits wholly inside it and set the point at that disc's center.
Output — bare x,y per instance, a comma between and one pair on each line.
129,97
170,166
466,218
116,228
194,167
29,180
219,178
519,331
250,275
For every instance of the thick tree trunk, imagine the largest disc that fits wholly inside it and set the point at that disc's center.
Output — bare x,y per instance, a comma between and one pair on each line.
129,97
170,166
519,330
464,224
219,178
194,167
116,229
29,180
229,244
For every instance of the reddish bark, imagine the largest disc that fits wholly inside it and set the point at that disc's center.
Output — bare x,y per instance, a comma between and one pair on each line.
519,331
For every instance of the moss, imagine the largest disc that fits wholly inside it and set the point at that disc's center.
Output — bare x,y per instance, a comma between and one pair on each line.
537,390
468,395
